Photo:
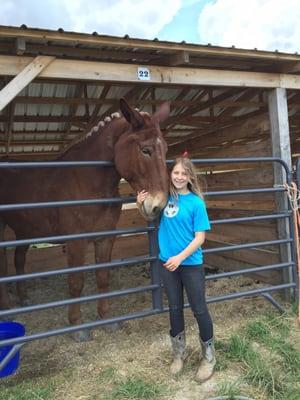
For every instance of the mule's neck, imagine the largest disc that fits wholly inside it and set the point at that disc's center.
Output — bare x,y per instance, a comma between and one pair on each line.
100,145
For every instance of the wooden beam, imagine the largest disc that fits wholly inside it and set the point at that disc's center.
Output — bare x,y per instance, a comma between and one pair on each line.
45,35
46,119
281,147
180,108
20,46
44,133
114,72
195,137
147,102
44,142
131,94
179,58
9,125
79,91
92,53
23,78
189,111
32,155
279,124
248,94
291,68
98,106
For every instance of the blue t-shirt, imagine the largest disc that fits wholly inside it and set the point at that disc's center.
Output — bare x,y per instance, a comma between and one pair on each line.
179,221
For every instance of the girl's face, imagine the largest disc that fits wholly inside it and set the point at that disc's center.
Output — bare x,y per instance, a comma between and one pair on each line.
180,179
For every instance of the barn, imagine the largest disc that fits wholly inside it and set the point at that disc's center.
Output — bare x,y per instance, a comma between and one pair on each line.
233,110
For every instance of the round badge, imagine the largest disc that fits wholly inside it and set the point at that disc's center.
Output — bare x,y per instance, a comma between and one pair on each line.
171,210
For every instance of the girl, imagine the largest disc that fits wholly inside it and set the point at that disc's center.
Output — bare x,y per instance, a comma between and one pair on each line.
181,233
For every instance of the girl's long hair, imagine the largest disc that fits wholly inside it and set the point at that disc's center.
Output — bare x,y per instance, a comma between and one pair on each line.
193,183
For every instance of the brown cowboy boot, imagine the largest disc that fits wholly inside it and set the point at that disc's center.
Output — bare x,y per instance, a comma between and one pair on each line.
179,355
208,361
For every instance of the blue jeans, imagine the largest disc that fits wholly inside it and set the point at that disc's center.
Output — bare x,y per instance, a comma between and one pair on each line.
192,279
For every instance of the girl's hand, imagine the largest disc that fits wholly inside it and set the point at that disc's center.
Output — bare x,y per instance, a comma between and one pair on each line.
141,197
173,263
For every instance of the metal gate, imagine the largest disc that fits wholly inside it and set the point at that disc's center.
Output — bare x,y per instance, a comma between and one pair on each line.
155,286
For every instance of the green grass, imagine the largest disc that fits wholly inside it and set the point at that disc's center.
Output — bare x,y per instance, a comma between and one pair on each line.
222,362
268,361
135,389
267,328
109,374
27,391
230,389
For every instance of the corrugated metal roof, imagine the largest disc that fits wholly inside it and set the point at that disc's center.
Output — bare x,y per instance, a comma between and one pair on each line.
49,115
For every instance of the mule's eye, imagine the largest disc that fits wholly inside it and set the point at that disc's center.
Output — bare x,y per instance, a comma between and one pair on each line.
146,152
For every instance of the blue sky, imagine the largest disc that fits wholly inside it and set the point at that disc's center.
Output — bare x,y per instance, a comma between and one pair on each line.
184,24
262,24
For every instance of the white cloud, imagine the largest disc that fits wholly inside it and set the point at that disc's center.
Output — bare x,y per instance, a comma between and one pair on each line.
264,24
47,14
141,19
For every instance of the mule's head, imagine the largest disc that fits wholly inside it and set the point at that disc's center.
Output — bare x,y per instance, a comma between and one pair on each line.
140,157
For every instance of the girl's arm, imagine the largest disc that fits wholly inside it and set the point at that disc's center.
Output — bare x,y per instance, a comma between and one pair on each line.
174,262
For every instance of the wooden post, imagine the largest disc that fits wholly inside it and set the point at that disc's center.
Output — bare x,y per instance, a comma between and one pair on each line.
281,147
19,82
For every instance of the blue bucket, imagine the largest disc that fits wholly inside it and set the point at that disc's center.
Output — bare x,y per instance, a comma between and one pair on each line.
10,330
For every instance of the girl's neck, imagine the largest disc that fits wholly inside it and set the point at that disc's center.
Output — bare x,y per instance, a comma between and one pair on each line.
183,191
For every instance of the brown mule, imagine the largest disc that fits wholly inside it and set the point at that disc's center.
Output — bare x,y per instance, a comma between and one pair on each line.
135,145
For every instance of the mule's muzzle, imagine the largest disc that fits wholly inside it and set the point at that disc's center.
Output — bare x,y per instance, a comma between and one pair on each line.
153,205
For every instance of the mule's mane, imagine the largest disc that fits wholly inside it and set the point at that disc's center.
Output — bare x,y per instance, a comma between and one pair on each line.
101,124
96,130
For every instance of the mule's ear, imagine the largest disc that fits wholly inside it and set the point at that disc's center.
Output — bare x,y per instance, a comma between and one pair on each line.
132,116
162,113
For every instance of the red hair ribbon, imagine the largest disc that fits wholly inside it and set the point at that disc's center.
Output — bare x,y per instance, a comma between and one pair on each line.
185,153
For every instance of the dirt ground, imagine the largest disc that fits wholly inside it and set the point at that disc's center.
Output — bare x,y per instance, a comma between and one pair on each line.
139,349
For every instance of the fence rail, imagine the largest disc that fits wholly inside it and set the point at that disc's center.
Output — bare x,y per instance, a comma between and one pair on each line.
155,287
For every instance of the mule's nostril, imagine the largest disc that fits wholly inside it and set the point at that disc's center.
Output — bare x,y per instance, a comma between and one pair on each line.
155,210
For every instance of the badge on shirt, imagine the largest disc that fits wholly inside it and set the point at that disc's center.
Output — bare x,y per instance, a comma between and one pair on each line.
171,209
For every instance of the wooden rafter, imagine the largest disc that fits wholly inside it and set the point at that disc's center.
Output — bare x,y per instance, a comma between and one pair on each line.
23,78
178,101
178,58
79,90
9,125
130,94
98,106
199,107
247,95
47,118
189,141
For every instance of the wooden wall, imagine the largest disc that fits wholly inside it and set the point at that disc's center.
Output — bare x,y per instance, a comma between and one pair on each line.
253,141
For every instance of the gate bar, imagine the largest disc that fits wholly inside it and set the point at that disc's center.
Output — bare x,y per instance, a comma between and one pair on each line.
248,271
245,246
89,325
83,268
76,300
254,218
157,295
262,291
78,236
123,200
